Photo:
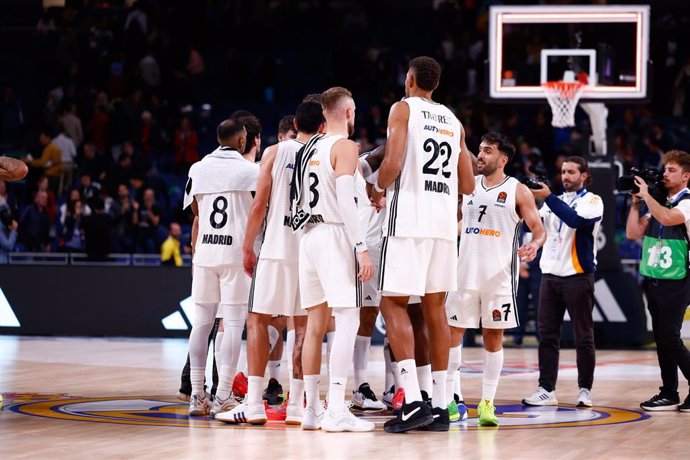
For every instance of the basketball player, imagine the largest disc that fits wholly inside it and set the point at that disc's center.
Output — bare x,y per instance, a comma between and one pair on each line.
11,169
286,128
219,191
426,164
333,259
363,397
488,263
275,274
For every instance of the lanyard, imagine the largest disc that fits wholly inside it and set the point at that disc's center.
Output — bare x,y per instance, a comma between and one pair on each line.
579,195
672,204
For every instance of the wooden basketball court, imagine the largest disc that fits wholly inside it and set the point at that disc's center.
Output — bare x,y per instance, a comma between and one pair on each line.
114,398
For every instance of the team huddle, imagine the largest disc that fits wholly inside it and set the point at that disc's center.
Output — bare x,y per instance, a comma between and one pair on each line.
321,234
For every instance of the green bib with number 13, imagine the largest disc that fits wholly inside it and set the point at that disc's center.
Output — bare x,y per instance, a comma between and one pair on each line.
665,259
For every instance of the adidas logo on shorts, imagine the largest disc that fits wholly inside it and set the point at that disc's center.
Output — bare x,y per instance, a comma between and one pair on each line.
454,317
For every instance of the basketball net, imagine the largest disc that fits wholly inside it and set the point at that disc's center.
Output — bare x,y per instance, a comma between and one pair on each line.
563,97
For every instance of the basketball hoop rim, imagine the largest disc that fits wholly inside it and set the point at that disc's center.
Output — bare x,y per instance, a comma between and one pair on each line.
566,89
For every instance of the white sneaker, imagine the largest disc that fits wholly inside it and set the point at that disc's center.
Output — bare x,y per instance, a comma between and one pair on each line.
365,399
254,414
541,397
222,405
387,397
311,420
584,398
345,421
199,405
294,414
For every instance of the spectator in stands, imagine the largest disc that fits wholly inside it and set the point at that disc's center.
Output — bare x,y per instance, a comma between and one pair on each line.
34,225
147,217
50,162
88,189
8,233
122,213
51,203
186,141
94,163
98,229
170,249
98,126
66,207
71,237
71,124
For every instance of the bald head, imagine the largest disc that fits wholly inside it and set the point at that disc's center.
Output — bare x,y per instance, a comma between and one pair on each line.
231,133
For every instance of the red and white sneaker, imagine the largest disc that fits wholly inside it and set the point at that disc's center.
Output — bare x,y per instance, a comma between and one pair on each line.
240,384
276,413
398,399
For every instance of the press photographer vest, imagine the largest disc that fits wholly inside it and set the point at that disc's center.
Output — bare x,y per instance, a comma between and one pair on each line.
665,249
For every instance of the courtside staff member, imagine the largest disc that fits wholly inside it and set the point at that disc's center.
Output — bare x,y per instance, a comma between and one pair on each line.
568,263
664,265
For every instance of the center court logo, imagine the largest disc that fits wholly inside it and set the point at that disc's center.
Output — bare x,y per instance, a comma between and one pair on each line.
169,412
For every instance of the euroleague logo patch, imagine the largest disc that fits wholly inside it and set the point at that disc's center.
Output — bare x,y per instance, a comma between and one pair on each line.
168,411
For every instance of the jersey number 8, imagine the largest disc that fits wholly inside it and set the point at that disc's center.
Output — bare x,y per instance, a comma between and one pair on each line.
220,205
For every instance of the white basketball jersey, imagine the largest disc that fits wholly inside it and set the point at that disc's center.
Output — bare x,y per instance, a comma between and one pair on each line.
423,200
280,242
370,220
323,200
222,220
488,260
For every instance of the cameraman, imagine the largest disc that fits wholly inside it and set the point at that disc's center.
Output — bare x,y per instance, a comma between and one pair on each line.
568,262
664,265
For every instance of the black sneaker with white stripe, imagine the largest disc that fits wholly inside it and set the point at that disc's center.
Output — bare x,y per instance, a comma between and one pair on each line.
441,420
660,402
412,416
685,407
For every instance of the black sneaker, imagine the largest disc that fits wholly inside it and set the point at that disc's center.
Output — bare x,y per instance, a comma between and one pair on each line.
685,407
426,398
412,416
441,420
273,394
659,403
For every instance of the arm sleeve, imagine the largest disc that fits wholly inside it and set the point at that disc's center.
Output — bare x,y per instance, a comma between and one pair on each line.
345,191
571,217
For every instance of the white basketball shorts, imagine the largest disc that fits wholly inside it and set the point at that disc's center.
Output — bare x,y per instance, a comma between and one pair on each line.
328,268
227,285
275,288
465,308
416,266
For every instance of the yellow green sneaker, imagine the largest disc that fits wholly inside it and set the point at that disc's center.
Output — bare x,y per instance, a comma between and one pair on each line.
453,414
487,416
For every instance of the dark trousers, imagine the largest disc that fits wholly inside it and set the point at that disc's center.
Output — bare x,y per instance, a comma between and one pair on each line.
574,294
667,301
186,379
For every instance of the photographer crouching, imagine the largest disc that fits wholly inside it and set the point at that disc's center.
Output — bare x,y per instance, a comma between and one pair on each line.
664,264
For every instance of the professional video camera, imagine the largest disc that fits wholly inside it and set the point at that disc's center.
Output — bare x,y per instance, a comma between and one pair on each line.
534,182
653,177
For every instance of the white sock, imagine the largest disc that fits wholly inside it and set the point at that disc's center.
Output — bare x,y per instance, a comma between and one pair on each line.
216,348
234,318
425,380
296,392
439,384
396,374
336,395
454,360
390,373
202,324
196,374
289,349
493,363
311,387
274,370
254,389
408,380
361,359
273,336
